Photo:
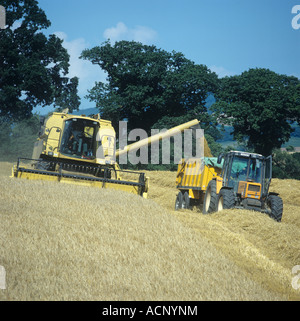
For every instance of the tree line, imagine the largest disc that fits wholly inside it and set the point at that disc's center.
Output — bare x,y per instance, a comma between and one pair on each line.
147,86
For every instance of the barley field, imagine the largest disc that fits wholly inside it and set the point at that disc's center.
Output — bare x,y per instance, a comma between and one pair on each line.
66,242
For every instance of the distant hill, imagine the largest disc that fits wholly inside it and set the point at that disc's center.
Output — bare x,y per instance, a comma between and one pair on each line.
87,112
227,137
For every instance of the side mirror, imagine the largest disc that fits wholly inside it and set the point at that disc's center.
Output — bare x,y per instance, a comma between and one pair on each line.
220,158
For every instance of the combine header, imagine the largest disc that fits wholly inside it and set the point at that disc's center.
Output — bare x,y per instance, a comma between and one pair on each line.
82,150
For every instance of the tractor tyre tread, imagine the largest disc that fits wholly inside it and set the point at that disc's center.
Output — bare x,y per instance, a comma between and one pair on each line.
228,198
276,205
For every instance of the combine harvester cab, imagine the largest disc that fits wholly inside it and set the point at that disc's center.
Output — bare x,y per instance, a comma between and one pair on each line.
234,180
79,150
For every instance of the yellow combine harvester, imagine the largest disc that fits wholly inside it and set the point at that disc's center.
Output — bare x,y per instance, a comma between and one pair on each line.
234,180
81,150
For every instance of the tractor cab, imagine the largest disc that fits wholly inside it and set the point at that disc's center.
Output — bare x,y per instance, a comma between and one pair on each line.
248,174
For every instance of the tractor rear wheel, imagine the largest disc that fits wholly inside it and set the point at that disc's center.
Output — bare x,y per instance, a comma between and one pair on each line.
226,199
179,201
210,198
275,204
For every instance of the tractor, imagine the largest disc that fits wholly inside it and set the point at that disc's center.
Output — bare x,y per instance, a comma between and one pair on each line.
233,180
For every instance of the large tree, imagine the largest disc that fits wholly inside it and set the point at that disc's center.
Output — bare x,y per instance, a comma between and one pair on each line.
261,105
33,67
146,84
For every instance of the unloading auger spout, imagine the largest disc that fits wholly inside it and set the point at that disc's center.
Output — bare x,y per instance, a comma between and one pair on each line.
194,124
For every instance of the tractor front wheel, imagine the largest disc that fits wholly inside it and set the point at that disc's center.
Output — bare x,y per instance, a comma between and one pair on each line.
226,199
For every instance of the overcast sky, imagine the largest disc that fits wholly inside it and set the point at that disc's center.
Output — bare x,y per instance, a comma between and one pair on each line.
229,36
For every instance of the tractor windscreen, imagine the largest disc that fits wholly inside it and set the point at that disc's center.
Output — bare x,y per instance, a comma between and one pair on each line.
78,138
245,169
255,170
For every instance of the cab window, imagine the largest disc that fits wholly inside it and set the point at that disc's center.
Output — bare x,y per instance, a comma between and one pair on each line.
78,138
